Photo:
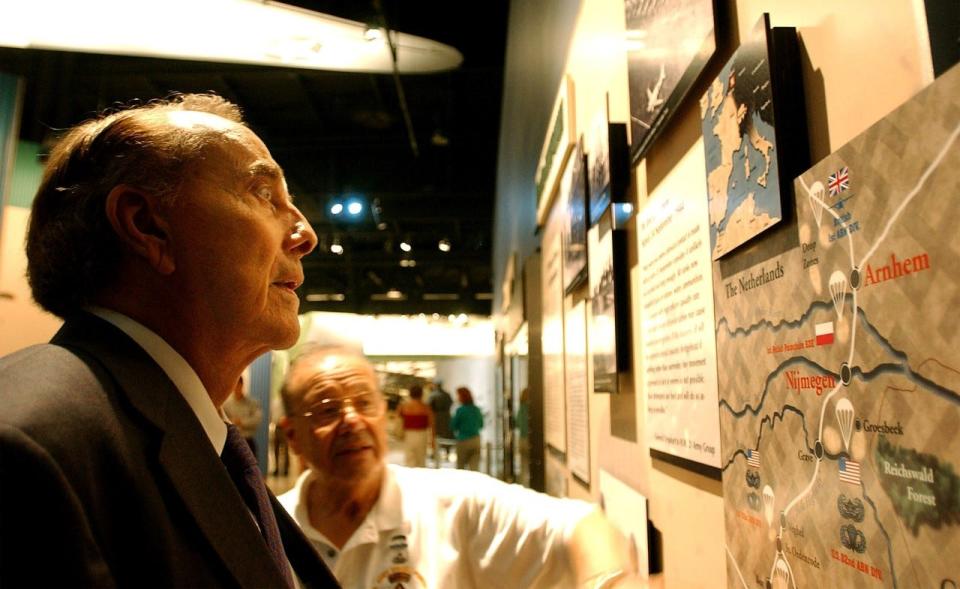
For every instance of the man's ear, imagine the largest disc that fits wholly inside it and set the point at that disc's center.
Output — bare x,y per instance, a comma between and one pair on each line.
137,219
288,431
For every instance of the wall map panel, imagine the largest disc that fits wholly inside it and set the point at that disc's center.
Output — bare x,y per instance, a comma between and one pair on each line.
840,379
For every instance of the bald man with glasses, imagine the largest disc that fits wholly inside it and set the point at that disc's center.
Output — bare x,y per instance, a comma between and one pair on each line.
377,524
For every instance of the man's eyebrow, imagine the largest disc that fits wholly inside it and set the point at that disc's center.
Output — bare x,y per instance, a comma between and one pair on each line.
265,168
269,170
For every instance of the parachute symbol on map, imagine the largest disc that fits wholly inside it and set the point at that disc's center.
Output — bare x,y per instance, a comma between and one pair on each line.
844,413
816,200
838,290
781,574
768,504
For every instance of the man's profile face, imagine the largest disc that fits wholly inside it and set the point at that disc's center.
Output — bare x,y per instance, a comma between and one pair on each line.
354,445
236,246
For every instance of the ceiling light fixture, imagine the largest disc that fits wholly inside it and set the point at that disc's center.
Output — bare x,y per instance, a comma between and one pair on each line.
373,34
321,297
441,296
438,139
405,246
355,207
336,247
391,295
336,208
261,32
444,245
408,263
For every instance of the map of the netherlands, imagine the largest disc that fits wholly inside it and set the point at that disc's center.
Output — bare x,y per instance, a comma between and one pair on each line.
839,370
740,146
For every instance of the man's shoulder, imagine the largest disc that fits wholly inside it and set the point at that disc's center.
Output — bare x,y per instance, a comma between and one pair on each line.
58,401
42,372
441,483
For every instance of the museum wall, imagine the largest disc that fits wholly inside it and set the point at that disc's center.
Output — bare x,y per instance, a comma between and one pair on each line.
22,323
855,69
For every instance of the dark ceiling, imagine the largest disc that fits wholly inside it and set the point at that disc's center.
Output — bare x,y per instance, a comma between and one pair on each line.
339,134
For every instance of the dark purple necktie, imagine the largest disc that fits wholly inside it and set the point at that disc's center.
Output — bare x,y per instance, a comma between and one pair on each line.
243,469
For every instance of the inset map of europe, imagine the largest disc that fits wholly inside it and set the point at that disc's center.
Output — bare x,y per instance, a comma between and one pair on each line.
840,397
736,113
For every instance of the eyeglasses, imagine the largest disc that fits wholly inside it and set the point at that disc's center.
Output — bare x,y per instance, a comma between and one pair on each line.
328,411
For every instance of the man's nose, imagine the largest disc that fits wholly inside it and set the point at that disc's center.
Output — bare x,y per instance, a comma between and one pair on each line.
302,239
349,415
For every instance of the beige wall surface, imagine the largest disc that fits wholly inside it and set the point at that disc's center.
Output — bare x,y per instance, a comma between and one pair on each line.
22,322
856,68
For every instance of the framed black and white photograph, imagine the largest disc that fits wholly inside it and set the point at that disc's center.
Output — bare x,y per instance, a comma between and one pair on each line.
669,43
574,232
609,333
557,147
608,165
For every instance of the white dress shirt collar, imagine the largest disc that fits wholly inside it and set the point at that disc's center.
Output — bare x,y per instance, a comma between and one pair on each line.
177,369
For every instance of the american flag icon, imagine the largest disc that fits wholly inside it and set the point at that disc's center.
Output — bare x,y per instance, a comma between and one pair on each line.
753,458
839,181
850,471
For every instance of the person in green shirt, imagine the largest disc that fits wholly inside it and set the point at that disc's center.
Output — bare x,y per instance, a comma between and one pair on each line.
523,431
466,424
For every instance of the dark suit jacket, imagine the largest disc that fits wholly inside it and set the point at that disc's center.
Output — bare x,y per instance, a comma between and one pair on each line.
108,479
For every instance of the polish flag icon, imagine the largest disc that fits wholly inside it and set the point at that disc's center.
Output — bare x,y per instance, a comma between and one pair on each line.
824,333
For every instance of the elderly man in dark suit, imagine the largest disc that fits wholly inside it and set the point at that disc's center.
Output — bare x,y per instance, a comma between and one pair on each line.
165,237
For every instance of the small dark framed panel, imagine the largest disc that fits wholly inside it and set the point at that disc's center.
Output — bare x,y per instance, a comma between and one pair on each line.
609,335
574,233
608,166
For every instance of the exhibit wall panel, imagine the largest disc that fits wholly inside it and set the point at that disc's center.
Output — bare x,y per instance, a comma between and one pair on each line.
859,60
855,70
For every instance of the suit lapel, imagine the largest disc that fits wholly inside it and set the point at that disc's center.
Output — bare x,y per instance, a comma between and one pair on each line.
185,452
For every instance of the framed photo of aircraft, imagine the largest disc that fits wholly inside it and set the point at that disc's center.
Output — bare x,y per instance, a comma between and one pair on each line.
669,44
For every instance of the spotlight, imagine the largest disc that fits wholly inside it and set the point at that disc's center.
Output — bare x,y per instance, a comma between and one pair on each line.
444,245
355,207
336,247
405,246
336,208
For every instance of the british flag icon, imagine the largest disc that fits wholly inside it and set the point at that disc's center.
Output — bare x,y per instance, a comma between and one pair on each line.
839,181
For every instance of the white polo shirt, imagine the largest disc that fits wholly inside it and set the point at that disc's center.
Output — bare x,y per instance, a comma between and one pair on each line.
450,529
